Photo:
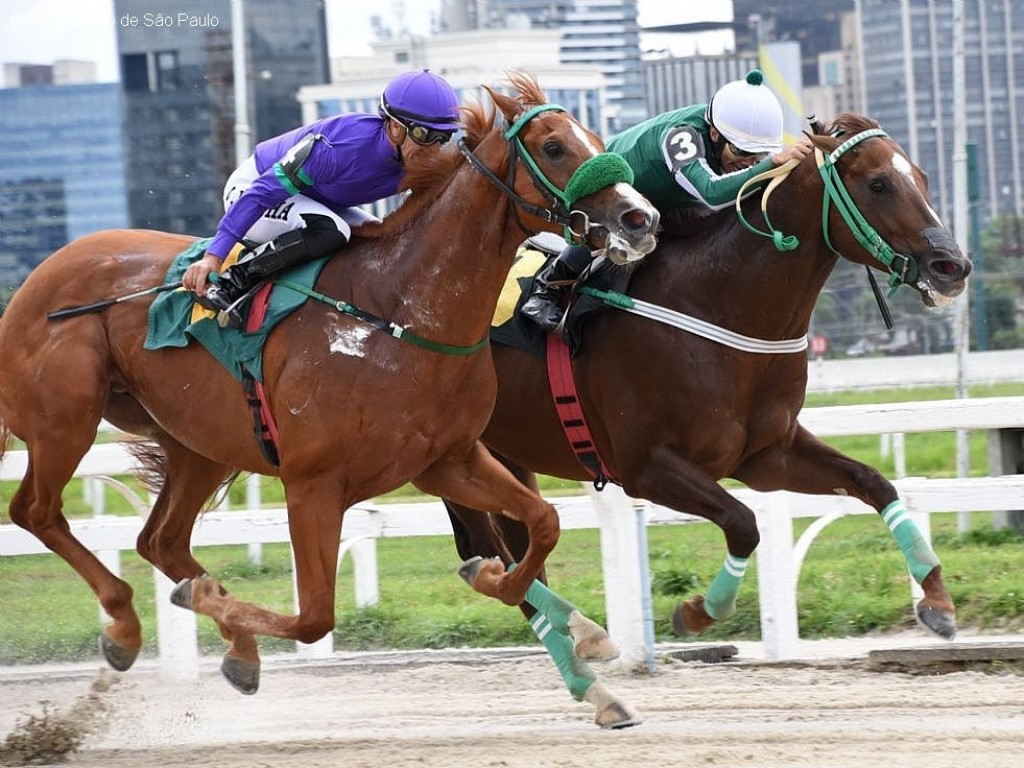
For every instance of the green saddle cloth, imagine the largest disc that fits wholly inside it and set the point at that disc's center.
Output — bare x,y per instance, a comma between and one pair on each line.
170,316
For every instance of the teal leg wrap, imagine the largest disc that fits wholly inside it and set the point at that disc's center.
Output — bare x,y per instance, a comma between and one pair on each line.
556,608
720,601
578,675
921,558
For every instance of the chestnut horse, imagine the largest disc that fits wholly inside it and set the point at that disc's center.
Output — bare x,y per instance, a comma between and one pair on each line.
672,412
358,413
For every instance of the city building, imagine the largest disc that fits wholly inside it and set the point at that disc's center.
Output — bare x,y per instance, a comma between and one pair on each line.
815,26
598,33
468,60
178,97
61,169
674,82
908,87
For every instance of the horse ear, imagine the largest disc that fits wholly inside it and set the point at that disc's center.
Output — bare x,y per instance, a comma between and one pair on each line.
823,142
510,108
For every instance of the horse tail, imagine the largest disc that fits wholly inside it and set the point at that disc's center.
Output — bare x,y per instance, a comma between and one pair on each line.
5,436
152,472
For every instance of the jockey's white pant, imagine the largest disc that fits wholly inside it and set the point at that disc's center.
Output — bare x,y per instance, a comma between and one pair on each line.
288,215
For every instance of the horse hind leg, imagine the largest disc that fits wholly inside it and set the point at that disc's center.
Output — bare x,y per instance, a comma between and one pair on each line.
315,512
37,507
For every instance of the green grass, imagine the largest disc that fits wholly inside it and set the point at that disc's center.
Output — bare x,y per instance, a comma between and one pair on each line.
853,581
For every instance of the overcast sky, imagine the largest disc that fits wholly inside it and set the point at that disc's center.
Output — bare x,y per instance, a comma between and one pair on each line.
40,31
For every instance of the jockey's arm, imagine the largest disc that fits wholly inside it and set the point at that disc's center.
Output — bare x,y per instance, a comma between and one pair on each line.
266,192
685,155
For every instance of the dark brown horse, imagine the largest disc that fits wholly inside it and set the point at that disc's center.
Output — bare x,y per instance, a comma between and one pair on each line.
358,412
673,412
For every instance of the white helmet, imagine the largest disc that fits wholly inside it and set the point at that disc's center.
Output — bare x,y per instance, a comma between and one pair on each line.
747,114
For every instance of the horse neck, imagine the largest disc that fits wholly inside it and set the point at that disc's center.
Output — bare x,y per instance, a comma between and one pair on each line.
448,264
757,290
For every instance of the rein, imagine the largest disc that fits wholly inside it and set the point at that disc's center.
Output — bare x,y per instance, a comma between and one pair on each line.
593,174
902,268
390,328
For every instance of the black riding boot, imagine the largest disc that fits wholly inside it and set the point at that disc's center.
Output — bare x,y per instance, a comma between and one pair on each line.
235,283
544,306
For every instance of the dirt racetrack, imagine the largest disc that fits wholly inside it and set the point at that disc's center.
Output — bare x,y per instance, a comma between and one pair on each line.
509,709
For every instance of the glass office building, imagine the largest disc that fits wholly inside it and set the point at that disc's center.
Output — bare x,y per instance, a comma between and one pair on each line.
908,81
179,113
61,170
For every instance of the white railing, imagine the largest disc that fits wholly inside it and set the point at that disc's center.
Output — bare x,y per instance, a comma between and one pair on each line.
622,522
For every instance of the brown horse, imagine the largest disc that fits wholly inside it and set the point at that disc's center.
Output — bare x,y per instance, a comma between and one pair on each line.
358,413
672,412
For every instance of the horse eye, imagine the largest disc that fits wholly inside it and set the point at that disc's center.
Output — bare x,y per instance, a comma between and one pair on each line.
877,185
553,150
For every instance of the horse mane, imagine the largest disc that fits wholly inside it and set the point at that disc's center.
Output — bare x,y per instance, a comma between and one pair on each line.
849,123
427,180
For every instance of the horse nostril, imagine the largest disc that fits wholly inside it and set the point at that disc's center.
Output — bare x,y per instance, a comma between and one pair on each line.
950,268
635,219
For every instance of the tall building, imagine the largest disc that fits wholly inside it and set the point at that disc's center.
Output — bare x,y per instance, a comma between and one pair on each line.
908,81
468,60
601,33
674,82
178,98
815,26
61,170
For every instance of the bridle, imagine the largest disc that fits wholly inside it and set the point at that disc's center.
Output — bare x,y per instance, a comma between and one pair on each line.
903,268
593,174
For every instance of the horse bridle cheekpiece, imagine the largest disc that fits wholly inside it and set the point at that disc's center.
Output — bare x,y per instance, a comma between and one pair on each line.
902,268
593,174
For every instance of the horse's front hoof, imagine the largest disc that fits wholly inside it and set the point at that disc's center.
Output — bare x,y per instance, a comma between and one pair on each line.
485,576
942,623
590,640
181,595
612,712
243,675
469,569
118,656
689,618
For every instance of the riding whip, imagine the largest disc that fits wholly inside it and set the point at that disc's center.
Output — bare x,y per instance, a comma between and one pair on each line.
63,314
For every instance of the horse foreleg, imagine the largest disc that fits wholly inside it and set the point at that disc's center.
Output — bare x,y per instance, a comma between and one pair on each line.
579,638
475,479
807,465
670,480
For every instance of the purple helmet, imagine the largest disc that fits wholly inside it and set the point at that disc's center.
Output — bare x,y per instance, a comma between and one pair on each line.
423,98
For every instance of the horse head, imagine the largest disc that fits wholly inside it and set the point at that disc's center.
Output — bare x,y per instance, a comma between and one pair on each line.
880,215
567,178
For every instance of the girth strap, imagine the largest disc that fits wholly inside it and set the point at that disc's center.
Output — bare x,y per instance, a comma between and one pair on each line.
570,413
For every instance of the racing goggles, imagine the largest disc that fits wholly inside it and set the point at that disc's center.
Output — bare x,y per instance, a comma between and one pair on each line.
425,136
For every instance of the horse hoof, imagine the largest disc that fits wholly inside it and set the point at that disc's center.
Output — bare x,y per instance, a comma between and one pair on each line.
611,712
470,568
117,656
243,675
590,640
689,618
942,623
181,595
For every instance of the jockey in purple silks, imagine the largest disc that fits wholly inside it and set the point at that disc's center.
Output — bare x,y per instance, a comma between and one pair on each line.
296,194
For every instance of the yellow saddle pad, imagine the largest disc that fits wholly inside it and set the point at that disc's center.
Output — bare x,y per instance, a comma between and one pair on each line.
527,261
